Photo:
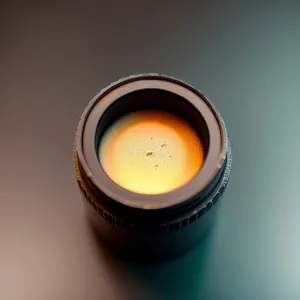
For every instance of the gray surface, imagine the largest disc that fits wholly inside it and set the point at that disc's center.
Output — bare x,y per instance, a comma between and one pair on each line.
56,57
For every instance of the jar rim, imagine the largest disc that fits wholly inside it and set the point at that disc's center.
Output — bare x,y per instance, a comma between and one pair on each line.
102,102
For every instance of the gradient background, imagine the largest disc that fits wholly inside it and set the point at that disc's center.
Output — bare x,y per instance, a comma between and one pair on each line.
55,56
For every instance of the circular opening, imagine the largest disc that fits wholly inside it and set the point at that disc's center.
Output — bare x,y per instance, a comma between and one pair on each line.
151,141
150,96
151,151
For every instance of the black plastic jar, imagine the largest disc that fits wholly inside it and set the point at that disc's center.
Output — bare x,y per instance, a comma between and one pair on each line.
142,225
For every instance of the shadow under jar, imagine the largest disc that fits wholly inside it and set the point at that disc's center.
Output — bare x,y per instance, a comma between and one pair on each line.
141,223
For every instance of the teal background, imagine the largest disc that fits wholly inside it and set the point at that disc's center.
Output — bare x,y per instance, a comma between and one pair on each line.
55,56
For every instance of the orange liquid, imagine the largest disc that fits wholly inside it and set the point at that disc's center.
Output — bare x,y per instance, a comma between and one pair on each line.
151,152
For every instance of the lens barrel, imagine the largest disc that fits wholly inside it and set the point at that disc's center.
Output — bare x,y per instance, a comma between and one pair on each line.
141,225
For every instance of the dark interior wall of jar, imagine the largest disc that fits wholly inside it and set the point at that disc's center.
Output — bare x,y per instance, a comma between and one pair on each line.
154,99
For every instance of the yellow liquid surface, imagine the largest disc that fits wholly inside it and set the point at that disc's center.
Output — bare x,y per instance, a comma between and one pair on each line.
151,152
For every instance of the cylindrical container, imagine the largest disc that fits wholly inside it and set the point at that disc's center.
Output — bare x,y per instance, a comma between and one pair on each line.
144,225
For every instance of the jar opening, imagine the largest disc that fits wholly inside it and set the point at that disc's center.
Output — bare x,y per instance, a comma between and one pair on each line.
151,95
